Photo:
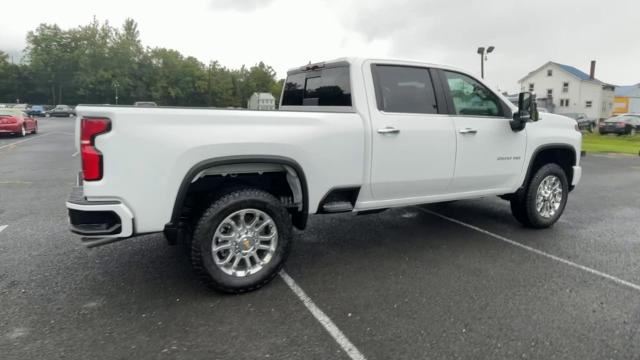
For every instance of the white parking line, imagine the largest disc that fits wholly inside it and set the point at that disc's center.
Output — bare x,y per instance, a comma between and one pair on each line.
2,227
539,252
32,137
324,320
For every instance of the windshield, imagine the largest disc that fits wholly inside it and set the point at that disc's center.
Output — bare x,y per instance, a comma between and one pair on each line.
9,112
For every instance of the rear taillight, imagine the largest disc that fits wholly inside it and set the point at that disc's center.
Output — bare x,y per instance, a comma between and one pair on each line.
621,124
90,128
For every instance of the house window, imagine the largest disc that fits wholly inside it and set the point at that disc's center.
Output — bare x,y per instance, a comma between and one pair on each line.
549,93
588,104
531,87
565,87
549,72
564,102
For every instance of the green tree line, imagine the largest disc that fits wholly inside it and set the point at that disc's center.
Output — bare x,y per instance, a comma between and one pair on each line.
89,63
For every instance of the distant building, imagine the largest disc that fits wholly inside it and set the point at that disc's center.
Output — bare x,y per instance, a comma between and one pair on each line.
261,101
627,99
565,89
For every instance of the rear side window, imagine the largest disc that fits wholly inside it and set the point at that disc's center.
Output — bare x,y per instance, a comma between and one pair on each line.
325,87
404,89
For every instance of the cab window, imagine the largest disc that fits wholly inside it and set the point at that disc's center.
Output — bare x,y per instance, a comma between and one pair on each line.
329,86
470,97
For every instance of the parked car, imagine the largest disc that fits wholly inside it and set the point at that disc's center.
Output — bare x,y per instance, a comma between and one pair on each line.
17,122
36,110
627,124
352,135
61,110
583,121
145,103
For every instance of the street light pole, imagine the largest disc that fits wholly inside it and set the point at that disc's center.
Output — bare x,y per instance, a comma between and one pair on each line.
115,85
483,57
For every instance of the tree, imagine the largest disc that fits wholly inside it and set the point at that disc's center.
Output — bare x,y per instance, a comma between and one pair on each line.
80,65
276,90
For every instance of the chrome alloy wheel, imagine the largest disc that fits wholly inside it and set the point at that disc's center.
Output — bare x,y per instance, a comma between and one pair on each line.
549,196
244,242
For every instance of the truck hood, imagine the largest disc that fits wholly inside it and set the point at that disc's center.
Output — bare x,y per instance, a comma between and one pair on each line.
556,119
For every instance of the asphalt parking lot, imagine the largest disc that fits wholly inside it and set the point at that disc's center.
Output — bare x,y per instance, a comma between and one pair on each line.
456,281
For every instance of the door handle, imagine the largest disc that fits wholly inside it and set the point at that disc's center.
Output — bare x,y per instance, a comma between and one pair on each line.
388,130
468,131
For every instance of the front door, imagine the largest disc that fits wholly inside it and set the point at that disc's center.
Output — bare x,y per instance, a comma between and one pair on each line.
490,156
413,141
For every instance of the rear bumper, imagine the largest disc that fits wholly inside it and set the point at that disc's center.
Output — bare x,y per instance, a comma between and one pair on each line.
617,130
586,125
9,128
98,219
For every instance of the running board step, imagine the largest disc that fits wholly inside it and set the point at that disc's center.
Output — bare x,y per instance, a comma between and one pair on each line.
337,206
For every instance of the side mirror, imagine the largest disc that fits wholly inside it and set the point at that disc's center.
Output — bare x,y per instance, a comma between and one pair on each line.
527,111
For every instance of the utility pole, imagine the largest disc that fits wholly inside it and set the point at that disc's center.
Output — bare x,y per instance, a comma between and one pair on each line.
483,57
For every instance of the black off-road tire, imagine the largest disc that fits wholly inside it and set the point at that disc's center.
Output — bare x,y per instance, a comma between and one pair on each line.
524,209
201,253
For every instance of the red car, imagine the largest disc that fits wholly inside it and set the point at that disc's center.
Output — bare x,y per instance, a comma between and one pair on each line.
17,122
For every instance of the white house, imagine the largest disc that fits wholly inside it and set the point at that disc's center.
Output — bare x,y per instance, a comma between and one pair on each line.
261,101
566,89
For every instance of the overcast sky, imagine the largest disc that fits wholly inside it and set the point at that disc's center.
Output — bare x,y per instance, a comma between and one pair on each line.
288,33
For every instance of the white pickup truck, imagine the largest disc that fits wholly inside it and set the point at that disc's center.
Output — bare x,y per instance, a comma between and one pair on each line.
351,135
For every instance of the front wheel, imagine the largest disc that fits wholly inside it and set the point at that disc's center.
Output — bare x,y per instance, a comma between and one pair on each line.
241,241
632,132
544,199
591,127
23,131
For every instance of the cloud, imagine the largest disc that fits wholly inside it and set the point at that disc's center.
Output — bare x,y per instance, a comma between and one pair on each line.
525,35
240,5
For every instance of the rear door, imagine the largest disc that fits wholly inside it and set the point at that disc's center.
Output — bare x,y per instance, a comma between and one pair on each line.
413,139
490,156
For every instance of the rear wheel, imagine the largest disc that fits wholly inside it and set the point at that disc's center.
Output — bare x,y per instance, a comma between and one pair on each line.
23,131
591,128
632,131
241,241
544,199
